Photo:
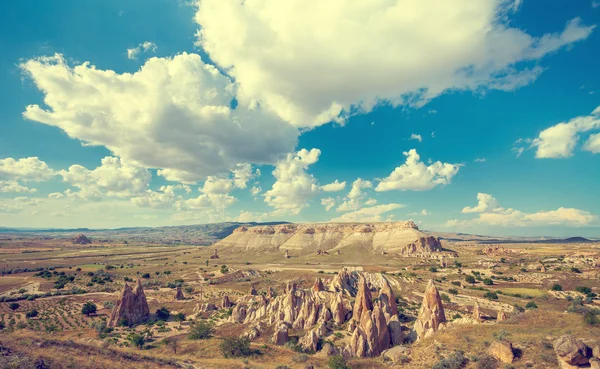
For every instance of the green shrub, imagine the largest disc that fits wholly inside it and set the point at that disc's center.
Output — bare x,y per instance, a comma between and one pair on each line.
591,318
13,306
163,313
31,313
337,362
201,330
453,291
445,298
531,305
235,347
137,340
584,290
89,308
491,295
455,360
556,287
470,279
488,282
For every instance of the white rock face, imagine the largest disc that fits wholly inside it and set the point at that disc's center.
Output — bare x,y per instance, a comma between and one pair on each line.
389,237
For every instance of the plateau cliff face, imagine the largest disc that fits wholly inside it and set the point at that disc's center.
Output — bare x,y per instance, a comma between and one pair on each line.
389,237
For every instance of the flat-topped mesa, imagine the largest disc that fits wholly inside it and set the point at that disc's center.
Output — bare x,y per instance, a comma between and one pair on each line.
402,238
432,314
132,307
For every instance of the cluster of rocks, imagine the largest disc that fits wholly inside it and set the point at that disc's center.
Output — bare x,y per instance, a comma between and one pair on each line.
132,307
574,353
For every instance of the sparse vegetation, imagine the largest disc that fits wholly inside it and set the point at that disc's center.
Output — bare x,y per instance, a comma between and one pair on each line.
235,347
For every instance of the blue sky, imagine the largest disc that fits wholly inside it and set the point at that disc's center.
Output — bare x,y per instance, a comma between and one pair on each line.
169,112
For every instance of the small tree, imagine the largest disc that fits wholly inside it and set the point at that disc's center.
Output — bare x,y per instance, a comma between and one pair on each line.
137,340
13,306
179,317
488,282
163,313
172,343
89,308
201,330
470,279
235,347
31,314
556,287
531,305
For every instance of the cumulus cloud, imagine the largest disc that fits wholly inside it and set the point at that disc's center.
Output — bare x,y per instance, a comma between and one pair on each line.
334,186
312,62
115,177
146,46
173,114
255,190
293,186
414,175
29,169
15,187
490,213
560,140
356,197
416,137
164,198
328,203
593,144
371,214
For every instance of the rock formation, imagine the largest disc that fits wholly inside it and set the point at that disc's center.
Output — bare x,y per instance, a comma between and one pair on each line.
476,311
215,255
225,303
389,237
501,316
431,315
363,302
572,350
318,286
81,239
309,341
132,307
253,290
179,294
502,351
280,337
287,254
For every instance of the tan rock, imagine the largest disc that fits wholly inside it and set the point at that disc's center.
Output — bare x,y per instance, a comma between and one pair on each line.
280,337
225,303
327,350
395,329
396,354
386,296
476,311
432,314
502,351
594,363
501,316
364,300
318,286
596,351
132,307
215,255
253,290
309,341
572,350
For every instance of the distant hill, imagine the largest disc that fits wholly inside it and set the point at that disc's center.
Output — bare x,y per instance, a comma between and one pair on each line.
474,238
199,234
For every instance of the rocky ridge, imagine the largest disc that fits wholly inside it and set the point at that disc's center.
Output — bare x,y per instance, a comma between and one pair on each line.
403,238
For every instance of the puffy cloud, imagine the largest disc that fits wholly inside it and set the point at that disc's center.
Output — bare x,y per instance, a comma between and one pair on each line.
55,195
255,190
114,177
214,201
334,186
144,46
559,141
174,114
164,198
414,175
242,173
15,187
490,213
25,169
486,203
328,203
593,144
356,196
293,187
417,137
316,61
371,214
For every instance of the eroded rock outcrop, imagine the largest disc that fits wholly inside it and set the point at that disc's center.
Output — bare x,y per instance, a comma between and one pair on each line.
280,337
318,286
501,316
81,239
383,238
432,315
225,302
179,294
502,351
132,307
572,350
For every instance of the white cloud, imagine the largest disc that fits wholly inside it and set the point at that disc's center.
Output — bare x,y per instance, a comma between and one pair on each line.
293,187
146,46
593,144
115,177
164,198
173,114
242,173
255,190
417,137
313,61
559,141
480,160
372,214
29,169
328,203
334,186
414,175
15,187
486,203
356,197
55,196
490,213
